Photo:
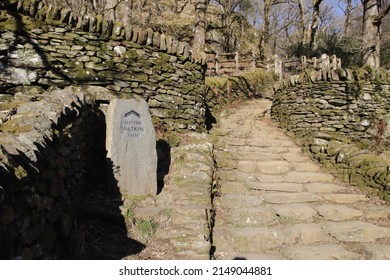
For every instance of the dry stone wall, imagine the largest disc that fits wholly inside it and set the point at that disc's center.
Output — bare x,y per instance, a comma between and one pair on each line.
352,107
47,162
337,114
55,71
45,46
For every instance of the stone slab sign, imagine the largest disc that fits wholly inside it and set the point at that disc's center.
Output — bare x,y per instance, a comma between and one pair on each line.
131,146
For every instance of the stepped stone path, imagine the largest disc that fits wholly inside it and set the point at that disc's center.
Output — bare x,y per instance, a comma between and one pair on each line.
274,202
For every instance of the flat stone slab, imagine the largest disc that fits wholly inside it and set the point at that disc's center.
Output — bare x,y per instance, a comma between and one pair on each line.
273,167
291,197
294,212
307,177
131,147
296,177
324,188
234,187
247,149
295,157
237,176
305,234
235,141
262,142
254,156
319,252
282,187
345,198
248,256
377,251
356,231
304,166
239,201
256,216
376,211
266,167
247,166
247,239
337,212
194,243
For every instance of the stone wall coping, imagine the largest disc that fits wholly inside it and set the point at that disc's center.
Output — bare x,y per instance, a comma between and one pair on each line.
34,123
340,75
97,24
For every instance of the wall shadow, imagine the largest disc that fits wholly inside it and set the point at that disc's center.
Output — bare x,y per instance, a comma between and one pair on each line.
100,230
210,120
22,36
163,162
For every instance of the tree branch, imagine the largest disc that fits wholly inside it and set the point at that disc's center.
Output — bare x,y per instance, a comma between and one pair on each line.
379,17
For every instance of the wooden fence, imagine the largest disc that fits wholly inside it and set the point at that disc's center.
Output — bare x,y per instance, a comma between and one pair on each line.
230,64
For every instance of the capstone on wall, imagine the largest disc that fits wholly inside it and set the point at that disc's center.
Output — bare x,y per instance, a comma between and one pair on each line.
44,46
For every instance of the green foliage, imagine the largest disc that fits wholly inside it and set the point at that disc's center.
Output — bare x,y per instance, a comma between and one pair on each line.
20,172
344,47
146,228
385,54
246,85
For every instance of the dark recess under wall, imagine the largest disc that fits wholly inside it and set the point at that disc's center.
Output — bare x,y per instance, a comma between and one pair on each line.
100,230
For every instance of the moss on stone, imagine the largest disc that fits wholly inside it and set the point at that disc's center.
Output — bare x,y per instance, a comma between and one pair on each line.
20,172
14,127
7,22
5,106
163,65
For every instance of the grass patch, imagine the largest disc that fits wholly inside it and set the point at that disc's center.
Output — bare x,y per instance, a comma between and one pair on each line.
146,228
168,212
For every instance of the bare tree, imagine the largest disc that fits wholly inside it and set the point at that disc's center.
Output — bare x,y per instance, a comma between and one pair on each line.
312,31
372,19
228,17
200,25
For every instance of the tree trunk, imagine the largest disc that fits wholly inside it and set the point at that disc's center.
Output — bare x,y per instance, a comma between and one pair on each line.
302,26
348,18
371,34
264,48
200,25
313,28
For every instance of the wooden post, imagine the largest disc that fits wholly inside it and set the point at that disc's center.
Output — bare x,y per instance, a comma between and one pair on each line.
333,62
253,61
216,64
303,62
236,58
338,63
279,67
325,66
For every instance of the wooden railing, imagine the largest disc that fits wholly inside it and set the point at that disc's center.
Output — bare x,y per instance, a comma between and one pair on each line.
230,64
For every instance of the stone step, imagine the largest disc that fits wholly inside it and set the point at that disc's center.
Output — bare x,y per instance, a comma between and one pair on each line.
275,203
256,186
246,239
242,217
319,252
266,167
356,231
296,177
284,197
234,201
247,256
337,212
294,212
377,251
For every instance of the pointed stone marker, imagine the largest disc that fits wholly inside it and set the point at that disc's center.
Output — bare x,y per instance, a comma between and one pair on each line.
131,147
